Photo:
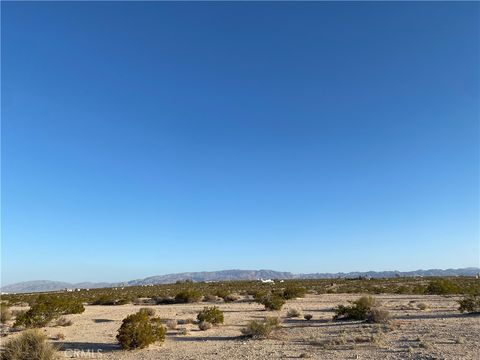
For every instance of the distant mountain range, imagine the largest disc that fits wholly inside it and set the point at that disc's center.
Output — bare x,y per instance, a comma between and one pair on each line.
224,275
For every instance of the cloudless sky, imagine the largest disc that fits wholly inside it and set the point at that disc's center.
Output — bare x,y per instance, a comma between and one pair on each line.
148,138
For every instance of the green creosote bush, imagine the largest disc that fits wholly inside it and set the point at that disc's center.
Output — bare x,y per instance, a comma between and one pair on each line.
361,309
31,345
293,292
270,301
470,303
140,330
188,296
47,308
442,287
261,329
212,315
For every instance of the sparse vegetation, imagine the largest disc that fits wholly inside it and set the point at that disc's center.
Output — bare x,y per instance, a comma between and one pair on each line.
356,336
140,330
442,287
31,345
261,329
165,294
109,300
213,315
47,308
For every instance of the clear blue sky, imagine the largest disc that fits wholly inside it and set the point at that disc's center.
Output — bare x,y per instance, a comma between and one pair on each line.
149,138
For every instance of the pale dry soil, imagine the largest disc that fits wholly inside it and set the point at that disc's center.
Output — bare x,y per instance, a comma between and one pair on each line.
439,332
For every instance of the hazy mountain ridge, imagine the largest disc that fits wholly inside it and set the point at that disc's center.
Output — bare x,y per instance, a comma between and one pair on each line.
224,275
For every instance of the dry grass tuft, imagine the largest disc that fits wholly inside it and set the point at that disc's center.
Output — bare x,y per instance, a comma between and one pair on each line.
31,345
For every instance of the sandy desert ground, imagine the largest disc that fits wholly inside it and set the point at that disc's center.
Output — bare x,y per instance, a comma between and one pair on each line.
438,332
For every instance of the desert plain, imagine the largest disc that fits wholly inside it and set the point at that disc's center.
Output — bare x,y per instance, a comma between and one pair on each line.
421,327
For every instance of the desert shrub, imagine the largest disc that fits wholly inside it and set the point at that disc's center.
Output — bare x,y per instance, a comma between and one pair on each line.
140,330
147,311
212,315
5,313
222,293
31,345
422,306
164,300
442,287
359,310
144,301
183,331
293,313
188,296
172,324
63,321
272,302
109,300
470,303
293,292
204,325
259,296
231,298
46,309
378,315
16,313
425,344
210,298
261,329
59,336
308,317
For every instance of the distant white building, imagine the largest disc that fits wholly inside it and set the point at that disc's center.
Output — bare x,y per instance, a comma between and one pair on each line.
267,281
